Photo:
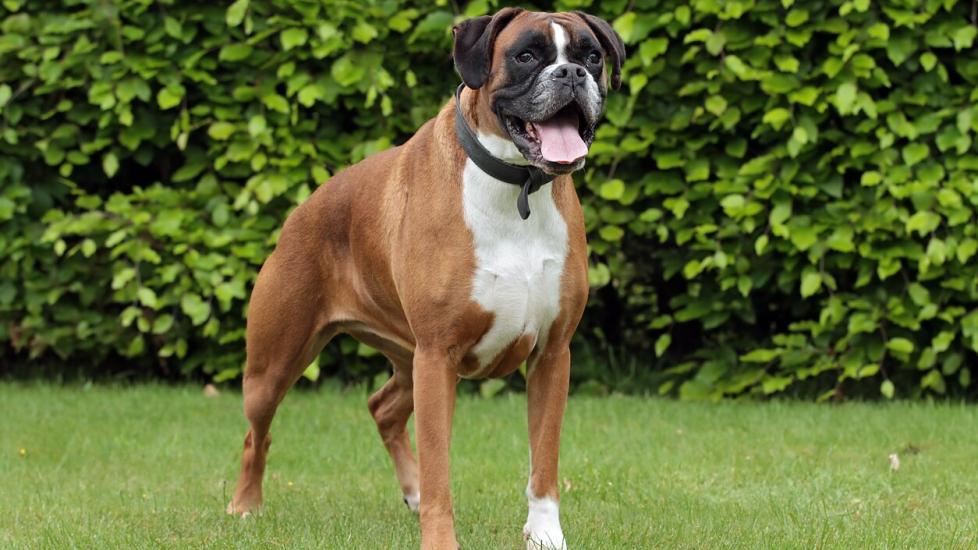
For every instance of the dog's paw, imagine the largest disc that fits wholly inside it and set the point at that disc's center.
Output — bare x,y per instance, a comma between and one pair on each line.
542,530
413,502
240,510
544,539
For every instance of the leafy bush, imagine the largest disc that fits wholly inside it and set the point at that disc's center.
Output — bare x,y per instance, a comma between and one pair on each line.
782,197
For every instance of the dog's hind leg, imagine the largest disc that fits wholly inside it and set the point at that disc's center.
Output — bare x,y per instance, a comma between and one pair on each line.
285,333
391,406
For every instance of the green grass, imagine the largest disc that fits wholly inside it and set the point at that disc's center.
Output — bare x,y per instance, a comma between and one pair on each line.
152,466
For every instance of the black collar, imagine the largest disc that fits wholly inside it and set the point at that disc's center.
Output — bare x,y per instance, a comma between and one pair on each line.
529,178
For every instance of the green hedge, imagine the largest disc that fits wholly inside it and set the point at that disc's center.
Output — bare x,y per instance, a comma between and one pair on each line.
782,197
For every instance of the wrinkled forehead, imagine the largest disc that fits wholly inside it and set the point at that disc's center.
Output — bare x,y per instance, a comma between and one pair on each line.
535,27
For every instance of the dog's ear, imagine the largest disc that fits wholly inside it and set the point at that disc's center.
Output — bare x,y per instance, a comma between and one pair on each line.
613,45
474,39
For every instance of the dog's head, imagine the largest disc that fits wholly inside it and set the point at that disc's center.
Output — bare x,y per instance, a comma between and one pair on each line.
543,76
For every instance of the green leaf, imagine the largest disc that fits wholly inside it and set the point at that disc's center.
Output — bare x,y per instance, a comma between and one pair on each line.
773,384
625,25
401,21
841,239
805,96
611,233
5,94
346,71
928,61
900,345
88,248
697,169
760,244
436,22
887,389
796,17
923,222
293,38
845,97
312,371
737,67
662,344
276,102
915,152
934,381
194,307
811,282
221,131
803,237
257,125
162,324
110,164
777,117
744,285
761,356
964,37
122,277
716,104
309,94
364,32
733,204
235,52
871,178
147,297
612,189
716,42
236,12
170,97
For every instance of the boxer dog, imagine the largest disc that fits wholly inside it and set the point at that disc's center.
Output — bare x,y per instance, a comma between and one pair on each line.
460,254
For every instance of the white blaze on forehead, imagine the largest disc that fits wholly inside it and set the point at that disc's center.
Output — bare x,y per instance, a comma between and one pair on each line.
560,41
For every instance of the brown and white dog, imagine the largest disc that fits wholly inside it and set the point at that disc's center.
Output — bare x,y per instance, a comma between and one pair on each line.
419,253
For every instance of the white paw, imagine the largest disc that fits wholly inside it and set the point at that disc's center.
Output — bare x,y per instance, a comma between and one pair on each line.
413,501
542,530
544,539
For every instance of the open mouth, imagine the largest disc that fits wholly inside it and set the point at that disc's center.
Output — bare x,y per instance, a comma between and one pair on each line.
560,139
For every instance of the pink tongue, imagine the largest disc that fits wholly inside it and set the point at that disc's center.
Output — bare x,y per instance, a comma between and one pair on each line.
559,140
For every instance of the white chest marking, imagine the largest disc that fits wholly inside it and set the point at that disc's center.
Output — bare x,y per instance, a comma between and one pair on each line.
502,149
519,263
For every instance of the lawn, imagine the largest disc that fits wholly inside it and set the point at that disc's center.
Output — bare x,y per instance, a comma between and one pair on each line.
153,466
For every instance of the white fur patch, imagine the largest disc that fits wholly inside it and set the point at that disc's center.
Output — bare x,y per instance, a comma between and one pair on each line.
502,149
593,97
519,263
413,501
542,529
560,40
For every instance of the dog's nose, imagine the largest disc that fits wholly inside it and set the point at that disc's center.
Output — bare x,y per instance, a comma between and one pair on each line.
570,73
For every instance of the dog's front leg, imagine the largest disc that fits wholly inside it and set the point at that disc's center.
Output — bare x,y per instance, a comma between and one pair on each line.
435,377
546,394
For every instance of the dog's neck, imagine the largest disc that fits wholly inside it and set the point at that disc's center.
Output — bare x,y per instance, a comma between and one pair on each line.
483,122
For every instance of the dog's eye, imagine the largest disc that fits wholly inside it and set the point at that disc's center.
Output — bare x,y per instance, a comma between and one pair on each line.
594,58
525,57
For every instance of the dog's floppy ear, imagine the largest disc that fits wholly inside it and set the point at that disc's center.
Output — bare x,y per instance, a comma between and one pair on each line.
610,41
474,39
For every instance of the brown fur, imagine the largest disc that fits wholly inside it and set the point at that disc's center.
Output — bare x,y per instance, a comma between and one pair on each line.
382,252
